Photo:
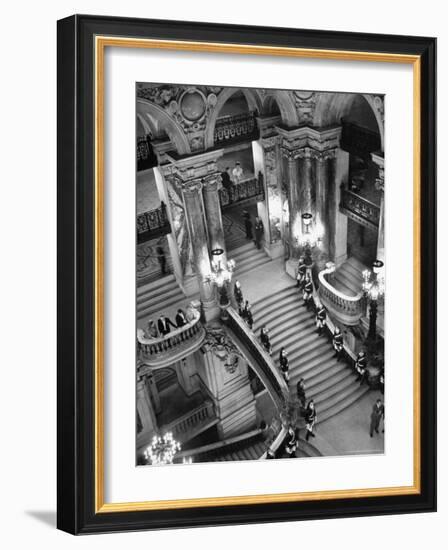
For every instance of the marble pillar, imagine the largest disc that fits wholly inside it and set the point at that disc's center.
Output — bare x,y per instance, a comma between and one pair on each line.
294,196
146,414
210,191
323,160
192,195
338,221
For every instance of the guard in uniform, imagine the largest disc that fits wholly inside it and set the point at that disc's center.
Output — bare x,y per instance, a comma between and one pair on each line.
360,367
301,274
291,442
321,319
284,364
308,292
310,419
238,294
247,316
376,416
265,340
338,343
301,395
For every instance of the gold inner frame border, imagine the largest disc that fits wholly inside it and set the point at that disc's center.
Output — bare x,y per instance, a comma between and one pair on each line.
101,42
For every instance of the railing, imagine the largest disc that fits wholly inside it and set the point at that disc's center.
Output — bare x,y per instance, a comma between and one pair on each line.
359,209
145,155
261,361
234,128
359,140
244,190
160,352
187,426
153,224
347,309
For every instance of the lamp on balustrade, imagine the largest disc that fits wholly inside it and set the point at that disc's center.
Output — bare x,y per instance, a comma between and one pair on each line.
221,276
373,288
309,238
162,449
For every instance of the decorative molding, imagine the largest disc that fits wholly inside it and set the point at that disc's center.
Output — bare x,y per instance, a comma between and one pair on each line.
218,342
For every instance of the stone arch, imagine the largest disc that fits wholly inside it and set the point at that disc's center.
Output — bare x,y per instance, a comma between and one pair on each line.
286,105
332,107
169,125
253,102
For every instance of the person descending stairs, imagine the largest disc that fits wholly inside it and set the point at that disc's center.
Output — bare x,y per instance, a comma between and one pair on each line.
331,384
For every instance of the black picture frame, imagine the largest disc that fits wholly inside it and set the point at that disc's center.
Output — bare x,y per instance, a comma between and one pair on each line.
76,255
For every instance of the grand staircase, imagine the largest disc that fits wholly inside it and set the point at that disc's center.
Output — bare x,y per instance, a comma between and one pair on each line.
252,448
247,258
348,277
156,296
331,384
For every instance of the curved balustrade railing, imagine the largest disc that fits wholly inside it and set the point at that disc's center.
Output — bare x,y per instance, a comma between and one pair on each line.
346,309
262,362
159,352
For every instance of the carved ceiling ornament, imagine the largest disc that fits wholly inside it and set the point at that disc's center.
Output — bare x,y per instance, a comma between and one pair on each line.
305,103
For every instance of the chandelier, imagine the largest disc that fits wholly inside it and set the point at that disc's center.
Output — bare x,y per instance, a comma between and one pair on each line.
220,275
162,449
373,281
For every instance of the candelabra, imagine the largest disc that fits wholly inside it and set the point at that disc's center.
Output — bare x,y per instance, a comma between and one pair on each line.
308,239
162,449
373,287
221,277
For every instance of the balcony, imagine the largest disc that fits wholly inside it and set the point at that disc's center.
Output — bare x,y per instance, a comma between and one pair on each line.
153,224
346,309
246,190
359,140
164,351
359,209
235,128
145,154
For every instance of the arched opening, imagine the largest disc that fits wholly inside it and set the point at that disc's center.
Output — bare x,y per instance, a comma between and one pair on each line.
234,119
360,137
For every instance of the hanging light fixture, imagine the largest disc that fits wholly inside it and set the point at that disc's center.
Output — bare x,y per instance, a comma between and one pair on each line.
373,288
162,449
309,238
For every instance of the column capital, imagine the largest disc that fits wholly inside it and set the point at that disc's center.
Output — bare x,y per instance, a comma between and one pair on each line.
212,182
192,187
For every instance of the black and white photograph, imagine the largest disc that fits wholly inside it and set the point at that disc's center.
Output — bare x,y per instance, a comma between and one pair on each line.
260,273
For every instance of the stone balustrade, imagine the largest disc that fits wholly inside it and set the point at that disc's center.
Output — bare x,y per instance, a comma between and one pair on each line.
233,128
346,309
166,350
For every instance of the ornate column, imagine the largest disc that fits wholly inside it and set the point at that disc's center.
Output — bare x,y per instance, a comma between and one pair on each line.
273,192
378,159
323,160
338,221
146,414
211,184
306,156
294,196
192,195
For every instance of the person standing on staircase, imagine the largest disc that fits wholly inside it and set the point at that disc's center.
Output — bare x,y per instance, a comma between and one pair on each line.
321,319
301,273
338,343
161,258
259,230
308,292
291,442
284,364
247,224
310,419
301,394
238,294
361,367
248,315
265,340
376,416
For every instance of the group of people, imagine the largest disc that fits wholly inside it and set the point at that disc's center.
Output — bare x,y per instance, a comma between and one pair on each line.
165,324
251,228
230,177
244,307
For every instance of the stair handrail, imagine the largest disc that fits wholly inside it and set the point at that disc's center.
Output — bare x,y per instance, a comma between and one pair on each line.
270,376
174,426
